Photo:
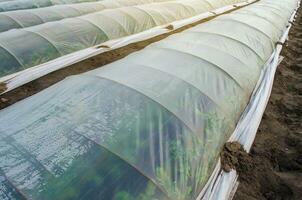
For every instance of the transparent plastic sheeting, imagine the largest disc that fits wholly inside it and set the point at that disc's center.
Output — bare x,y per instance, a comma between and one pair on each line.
25,18
149,126
6,0
223,185
28,47
28,4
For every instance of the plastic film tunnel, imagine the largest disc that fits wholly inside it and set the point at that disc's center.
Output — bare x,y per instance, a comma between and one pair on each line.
149,126
28,4
30,17
28,47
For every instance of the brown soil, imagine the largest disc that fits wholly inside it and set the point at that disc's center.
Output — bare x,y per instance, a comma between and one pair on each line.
100,60
2,87
275,163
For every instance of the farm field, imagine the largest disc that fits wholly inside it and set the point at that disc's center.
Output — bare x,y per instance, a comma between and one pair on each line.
150,99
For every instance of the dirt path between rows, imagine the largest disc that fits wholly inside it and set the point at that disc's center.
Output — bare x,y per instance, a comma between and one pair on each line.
276,157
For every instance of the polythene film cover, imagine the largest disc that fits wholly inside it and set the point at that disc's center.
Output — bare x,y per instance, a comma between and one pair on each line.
58,38
149,126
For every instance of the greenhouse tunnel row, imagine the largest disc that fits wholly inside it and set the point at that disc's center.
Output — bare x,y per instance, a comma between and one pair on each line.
30,17
24,48
28,4
155,133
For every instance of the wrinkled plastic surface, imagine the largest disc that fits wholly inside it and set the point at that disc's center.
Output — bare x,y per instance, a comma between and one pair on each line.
148,126
58,38
223,185
30,17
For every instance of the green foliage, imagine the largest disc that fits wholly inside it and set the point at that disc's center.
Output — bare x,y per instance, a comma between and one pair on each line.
122,195
192,156
149,193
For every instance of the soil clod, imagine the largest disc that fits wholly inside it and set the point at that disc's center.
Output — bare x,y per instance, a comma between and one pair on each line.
4,100
2,87
235,157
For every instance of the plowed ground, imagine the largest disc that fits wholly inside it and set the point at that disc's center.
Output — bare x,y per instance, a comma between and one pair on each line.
277,151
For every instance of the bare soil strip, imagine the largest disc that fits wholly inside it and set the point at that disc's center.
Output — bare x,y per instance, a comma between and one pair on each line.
100,60
275,163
